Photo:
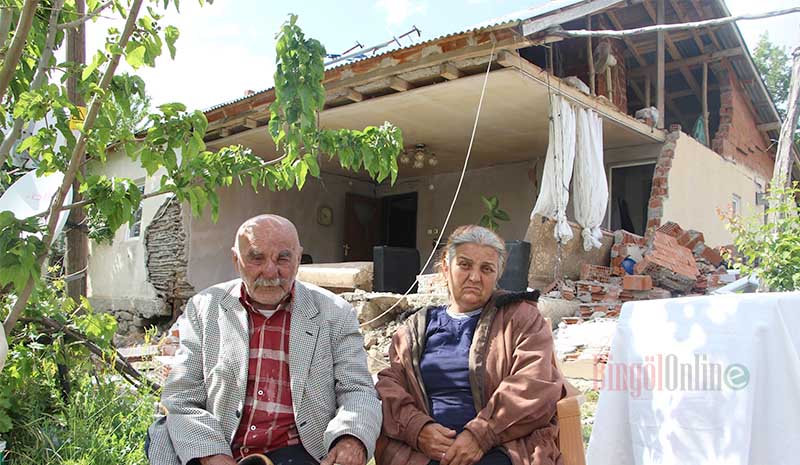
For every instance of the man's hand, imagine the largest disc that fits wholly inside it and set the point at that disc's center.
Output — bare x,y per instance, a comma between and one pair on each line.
219,459
434,440
348,451
464,451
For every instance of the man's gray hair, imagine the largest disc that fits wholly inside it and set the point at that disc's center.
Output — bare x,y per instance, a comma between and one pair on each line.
474,234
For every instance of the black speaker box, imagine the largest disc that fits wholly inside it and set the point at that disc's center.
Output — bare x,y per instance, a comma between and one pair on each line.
395,268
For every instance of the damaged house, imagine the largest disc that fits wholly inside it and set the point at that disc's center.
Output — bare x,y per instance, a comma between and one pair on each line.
710,149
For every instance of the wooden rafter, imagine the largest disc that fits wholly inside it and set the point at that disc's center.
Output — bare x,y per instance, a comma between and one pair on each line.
675,54
698,6
617,24
684,18
691,62
628,41
449,71
399,84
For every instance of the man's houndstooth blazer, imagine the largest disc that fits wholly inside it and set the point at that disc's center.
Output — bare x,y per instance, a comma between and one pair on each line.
332,390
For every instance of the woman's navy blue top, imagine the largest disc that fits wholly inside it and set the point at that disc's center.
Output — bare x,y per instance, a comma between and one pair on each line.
445,366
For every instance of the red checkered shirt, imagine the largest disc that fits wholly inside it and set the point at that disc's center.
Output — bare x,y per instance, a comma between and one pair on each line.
267,421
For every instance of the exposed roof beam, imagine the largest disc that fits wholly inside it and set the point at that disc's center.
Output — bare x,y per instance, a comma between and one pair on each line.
434,59
250,123
353,95
399,84
628,41
688,92
507,59
684,18
538,24
675,54
601,105
774,126
700,9
449,71
689,62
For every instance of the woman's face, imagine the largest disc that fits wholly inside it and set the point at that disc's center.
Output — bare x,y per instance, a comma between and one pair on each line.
471,276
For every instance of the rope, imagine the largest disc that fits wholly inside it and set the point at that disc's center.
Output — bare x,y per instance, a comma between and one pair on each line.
455,196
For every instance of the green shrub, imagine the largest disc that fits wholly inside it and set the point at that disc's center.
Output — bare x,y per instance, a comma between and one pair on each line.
770,249
59,404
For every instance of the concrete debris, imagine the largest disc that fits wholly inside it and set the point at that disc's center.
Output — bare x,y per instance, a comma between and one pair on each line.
582,348
433,283
338,277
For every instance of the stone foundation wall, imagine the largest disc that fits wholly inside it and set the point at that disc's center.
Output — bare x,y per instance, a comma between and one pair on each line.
166,256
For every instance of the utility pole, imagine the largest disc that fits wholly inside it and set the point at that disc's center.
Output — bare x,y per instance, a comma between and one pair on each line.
783,165
77,255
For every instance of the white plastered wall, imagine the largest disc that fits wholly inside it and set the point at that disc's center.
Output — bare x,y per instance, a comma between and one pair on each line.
700,183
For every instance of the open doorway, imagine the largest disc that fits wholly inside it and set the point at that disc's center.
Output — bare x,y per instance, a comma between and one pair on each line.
390,220
361,227
399,225
630,194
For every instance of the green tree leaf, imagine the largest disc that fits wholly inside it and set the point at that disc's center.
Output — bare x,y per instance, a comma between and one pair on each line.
171,35
135,56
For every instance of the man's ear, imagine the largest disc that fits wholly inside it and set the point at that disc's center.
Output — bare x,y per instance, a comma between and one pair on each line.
235,258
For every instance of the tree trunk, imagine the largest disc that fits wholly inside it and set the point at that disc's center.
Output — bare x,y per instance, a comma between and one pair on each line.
783,158
76,259
76,160
17,45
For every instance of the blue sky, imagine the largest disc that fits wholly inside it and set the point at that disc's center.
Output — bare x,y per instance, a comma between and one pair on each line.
228,47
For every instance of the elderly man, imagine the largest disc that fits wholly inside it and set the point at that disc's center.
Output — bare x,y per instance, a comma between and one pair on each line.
267,365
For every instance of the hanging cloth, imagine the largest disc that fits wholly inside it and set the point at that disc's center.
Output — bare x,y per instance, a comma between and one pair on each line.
554,194
591,187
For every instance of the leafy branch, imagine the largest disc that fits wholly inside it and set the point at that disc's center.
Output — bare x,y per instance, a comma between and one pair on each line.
770,250
493,213
172,141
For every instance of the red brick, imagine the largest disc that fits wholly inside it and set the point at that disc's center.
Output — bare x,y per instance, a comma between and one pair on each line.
660,191
669,264
624,237
591,272
637,282
671,229
711,255
690,239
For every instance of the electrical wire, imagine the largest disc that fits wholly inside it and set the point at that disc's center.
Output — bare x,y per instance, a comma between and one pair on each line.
455,196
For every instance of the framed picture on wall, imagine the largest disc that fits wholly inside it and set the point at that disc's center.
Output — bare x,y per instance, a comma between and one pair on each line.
324,215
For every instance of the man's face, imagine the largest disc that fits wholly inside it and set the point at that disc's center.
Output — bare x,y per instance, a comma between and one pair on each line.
267,261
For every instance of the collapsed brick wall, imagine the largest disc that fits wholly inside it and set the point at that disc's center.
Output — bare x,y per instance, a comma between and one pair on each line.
166,256
660,190
738,137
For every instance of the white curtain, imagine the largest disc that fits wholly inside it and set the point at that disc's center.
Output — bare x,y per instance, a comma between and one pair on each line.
591,187
554,194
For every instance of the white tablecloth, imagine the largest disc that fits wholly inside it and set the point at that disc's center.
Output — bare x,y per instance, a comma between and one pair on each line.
749,416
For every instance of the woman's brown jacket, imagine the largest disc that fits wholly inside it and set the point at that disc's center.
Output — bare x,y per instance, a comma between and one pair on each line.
515,385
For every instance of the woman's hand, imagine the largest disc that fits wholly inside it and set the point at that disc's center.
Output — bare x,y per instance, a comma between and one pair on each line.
464,451
434,440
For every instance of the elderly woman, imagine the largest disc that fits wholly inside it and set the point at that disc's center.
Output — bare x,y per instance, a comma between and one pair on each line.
473,382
